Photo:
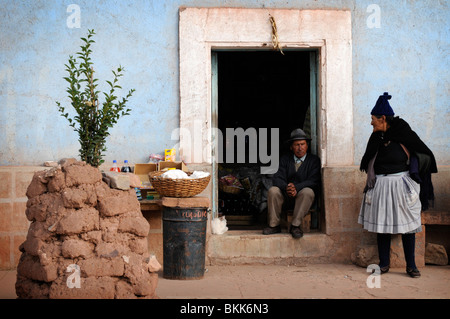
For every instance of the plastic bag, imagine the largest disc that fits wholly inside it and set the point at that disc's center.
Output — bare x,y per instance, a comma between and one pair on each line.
219,225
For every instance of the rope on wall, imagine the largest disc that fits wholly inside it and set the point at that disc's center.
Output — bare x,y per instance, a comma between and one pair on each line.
275,43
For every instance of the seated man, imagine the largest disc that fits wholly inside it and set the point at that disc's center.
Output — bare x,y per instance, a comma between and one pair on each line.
296,182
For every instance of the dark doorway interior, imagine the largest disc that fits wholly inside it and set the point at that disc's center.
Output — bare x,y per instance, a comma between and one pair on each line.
258,89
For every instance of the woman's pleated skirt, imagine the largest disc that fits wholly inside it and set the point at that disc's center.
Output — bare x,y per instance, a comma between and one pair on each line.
392,206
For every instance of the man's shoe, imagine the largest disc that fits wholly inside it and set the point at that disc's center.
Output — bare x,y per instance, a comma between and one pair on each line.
272,230
296,232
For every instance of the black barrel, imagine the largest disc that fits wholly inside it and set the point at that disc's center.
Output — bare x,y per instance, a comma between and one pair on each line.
184,237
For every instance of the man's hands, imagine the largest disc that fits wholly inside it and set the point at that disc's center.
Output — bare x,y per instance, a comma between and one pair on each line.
290,190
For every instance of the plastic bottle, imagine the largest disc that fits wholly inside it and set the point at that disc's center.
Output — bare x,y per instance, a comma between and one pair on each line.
115,168
126,167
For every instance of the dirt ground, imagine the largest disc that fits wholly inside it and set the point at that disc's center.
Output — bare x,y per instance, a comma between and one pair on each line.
318,281
310,281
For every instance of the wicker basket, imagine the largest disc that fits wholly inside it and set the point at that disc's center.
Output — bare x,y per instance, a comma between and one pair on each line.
230,189
177,187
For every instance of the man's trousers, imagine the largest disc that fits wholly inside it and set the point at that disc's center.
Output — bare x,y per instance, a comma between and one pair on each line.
275,200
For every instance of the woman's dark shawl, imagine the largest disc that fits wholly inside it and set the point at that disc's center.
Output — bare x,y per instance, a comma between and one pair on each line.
422,161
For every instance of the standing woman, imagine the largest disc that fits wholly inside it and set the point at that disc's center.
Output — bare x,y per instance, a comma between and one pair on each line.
398,166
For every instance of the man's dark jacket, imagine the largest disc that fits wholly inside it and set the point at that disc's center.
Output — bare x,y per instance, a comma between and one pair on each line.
308,175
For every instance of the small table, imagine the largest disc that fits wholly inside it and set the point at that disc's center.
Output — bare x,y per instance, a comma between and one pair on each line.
151,204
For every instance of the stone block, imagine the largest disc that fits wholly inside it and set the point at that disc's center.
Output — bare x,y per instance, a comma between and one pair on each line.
73,248
117,180
138,245
67,161
78,221
435,254
58,182
74,197
137,225
31,268
109,228
124,290
139,276
90,288
37,186
94,236
112,206
38,230
110,250
40,206
365,255
99,267
33,245
119,203
153,264
432,217
27,288
121,180
37,247
81,173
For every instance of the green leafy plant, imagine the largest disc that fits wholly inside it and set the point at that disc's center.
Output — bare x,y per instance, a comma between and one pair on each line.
92,121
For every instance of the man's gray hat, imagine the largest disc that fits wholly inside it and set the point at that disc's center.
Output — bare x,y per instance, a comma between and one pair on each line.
298,134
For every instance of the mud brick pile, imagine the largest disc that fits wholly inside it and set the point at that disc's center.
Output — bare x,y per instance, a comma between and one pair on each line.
85,240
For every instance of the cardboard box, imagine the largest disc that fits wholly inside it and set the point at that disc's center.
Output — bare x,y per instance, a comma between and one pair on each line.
169,164
142,171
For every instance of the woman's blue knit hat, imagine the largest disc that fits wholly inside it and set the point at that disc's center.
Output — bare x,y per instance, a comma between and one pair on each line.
382,107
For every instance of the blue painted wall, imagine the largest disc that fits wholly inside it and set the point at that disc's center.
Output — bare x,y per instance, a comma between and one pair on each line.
408,55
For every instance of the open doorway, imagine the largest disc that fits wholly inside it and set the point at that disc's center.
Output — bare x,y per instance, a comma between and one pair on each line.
259,90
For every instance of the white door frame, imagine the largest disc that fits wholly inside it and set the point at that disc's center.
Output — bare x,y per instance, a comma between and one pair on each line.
202,30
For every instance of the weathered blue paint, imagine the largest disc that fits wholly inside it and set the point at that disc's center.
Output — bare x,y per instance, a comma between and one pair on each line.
408,55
